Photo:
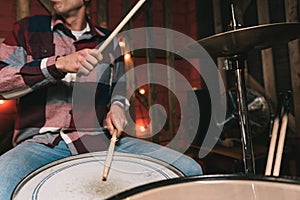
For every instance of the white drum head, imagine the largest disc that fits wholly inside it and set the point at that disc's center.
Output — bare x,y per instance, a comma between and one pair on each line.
80,177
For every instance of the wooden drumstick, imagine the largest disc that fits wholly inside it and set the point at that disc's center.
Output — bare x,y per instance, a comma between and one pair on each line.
121,25
272,147
118,28
109,154
100,49
274,137
282,135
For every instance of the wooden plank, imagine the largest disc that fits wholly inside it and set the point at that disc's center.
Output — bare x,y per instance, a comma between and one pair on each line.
131,80
151,72
47,5
292,15
218,29
126,6
242,6
255,85
172,115
23,8
267,56
217,16
102,7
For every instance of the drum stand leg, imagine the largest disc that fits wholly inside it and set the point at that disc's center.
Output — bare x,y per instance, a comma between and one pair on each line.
236,63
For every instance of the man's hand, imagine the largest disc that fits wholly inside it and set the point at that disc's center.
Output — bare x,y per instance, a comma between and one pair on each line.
116,119
83,61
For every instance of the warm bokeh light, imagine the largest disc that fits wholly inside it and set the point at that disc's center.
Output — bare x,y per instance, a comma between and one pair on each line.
127,56
122,44
142,128
142,91
7,106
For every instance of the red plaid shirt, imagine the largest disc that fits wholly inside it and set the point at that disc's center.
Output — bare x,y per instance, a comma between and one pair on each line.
45,108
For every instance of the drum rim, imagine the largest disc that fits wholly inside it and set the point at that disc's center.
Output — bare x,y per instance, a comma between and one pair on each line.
213,177
31,175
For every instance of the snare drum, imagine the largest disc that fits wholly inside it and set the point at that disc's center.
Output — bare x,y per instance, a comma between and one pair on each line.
216,187
80,177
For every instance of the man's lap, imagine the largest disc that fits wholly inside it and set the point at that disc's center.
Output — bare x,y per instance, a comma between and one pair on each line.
29,156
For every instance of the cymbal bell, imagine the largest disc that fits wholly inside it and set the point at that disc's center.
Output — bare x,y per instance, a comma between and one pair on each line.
242,40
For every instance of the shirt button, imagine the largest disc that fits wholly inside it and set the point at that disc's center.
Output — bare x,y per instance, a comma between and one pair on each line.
44,51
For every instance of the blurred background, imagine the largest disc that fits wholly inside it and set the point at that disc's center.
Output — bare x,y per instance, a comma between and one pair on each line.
268,73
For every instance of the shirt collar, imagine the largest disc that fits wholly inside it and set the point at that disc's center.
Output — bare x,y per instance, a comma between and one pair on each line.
58,20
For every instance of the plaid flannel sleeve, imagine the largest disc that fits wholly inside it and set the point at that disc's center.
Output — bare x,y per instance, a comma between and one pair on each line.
22,67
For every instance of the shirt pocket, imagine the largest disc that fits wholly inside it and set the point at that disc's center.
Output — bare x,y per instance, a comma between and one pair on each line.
42,51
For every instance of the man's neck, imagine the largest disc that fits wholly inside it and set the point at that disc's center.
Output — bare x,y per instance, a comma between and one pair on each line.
76,22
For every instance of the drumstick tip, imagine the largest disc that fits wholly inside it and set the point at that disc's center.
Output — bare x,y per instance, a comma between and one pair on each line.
105,173
109,155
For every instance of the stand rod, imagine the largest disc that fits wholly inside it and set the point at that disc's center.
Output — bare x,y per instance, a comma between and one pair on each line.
236,64
246,137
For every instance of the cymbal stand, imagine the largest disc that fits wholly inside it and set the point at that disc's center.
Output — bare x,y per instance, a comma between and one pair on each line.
237,64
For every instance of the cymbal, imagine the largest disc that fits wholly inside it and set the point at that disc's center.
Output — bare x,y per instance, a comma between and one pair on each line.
242,40
157,53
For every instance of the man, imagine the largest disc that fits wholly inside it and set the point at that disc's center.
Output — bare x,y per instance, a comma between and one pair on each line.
39,62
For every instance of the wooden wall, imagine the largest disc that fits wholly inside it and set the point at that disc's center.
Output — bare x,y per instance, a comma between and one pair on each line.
269,71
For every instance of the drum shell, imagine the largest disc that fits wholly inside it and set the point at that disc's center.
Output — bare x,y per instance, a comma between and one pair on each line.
216,187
